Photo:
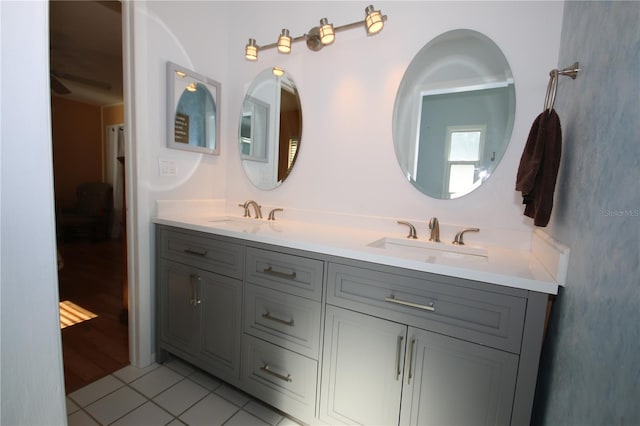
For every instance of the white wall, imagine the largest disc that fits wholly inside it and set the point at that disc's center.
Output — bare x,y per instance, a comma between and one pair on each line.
31,355
346,162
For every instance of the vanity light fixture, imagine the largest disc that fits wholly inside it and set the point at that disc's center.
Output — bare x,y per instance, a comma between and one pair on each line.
277,71
319,36
327,36
251,50
181,74
284,42
191,87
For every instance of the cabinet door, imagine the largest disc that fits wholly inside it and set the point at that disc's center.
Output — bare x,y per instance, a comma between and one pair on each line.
363,360
453,382
220,299
177,306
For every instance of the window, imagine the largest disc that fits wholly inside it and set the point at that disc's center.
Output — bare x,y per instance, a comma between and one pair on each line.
464,153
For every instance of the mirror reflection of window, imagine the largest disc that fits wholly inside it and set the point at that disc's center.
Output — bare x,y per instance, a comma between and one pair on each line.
293,150
464,155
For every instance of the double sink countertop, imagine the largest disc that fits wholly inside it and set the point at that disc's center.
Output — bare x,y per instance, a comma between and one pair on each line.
542,268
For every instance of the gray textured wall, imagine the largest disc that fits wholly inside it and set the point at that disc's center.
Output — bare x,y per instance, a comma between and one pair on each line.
590,369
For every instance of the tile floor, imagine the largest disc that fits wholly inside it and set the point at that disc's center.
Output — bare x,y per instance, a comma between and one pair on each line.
174,393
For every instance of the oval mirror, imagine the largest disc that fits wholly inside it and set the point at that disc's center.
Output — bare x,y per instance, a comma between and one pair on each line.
453,114
270,129
192,111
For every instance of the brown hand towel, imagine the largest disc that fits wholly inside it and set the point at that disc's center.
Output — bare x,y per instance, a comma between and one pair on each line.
539,165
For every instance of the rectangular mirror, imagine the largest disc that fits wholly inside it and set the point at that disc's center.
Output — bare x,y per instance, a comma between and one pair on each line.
192,111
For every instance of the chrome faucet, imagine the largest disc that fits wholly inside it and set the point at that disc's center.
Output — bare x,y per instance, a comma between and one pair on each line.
434,226
256,208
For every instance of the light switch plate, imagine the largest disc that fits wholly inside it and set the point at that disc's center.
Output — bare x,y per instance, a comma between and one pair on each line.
167,167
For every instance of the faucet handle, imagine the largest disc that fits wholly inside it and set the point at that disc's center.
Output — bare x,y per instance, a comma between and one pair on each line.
246,209
458,238
272,213
412,229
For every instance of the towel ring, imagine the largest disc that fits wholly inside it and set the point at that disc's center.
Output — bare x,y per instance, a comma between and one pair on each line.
552,86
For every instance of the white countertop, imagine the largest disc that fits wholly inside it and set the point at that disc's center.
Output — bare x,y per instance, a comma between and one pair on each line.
508,267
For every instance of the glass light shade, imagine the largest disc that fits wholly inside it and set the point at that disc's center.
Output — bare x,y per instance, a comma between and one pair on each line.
327,35
284,42
277,71
251,50
373,20
191,87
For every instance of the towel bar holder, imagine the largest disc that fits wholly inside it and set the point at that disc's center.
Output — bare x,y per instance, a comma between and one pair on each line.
552,87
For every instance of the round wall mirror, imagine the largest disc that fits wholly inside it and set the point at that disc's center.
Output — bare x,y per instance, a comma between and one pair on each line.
270,129
453,114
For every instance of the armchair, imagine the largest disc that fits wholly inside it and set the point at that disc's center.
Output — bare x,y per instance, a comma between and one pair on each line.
91,216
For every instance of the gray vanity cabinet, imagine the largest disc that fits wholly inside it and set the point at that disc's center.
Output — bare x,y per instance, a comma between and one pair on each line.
418,349
282,322
333,340
199,309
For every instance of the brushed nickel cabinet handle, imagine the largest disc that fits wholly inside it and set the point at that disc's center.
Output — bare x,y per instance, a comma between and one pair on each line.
398,352
194,281
270,317
410,375
430,307
270,271
194,252
268,369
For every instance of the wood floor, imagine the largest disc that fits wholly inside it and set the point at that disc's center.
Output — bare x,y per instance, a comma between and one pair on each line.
92,277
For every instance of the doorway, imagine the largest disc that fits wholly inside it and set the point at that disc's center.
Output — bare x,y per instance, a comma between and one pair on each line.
87,96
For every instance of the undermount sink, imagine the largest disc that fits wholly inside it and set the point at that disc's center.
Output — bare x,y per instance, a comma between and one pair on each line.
247,225
429,251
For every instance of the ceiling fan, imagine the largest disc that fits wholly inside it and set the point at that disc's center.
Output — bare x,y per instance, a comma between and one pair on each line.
59,87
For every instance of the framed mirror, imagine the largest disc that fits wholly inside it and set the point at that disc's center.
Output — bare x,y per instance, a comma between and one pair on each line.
270,129
453,114
192,111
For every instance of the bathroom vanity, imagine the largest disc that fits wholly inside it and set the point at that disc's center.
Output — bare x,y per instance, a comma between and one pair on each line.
331,334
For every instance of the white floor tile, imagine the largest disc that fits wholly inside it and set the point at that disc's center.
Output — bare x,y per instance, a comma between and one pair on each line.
80,418
242,418
179,366
263,412
115,405
95,390
130,373
205,380
210,411
231,394
72,407
181,396
286,421
148,414
151,384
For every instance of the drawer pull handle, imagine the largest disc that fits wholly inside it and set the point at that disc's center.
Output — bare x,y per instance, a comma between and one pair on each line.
428,307
270,271
398,352
201,253
268,369
276,319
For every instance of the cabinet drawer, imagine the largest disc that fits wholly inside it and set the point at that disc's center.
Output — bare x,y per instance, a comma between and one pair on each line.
297,275
204,252
286,320
431,302
279,377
